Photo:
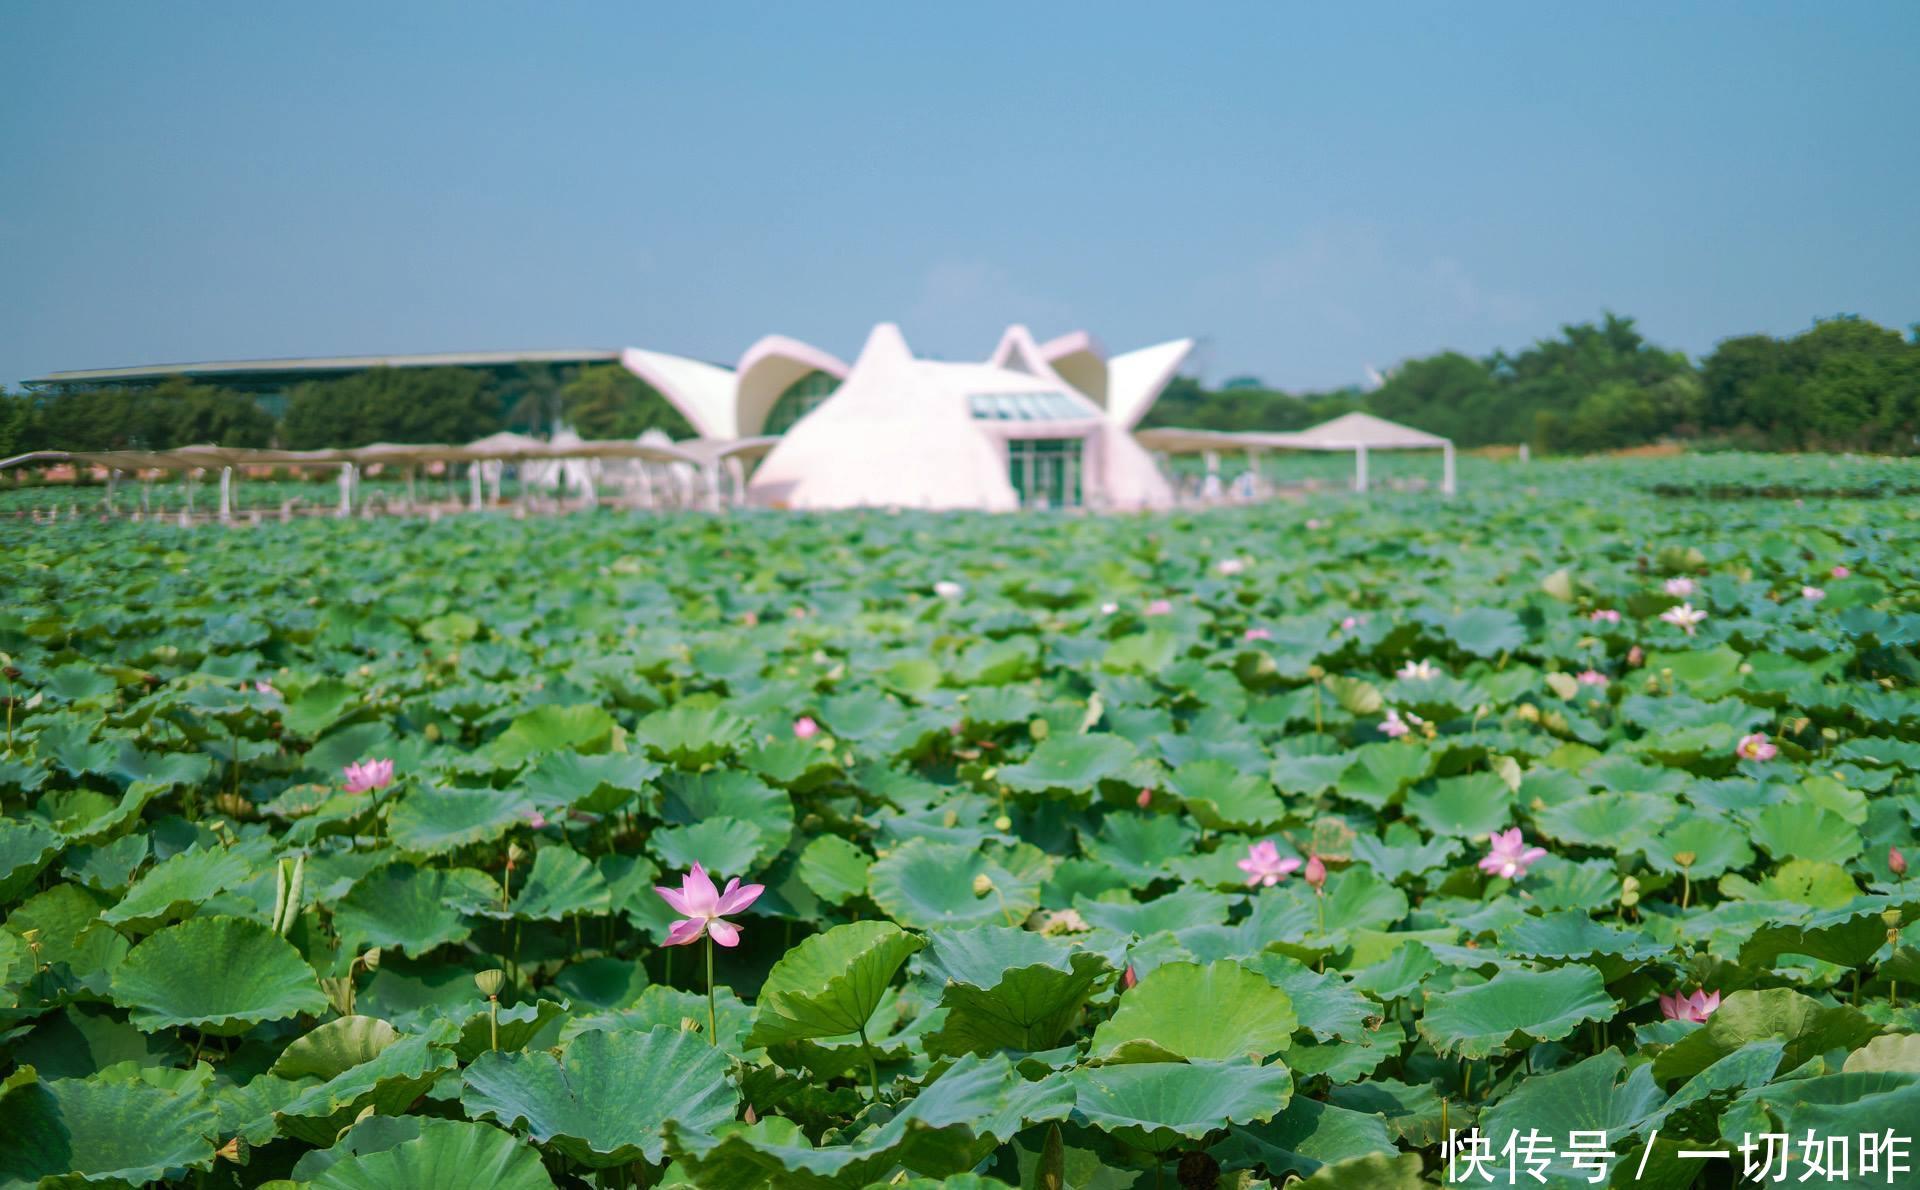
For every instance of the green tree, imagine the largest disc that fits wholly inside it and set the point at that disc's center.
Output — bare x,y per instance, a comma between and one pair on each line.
450,405
607,401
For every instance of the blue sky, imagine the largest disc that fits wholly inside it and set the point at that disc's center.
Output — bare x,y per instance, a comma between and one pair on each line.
1308,191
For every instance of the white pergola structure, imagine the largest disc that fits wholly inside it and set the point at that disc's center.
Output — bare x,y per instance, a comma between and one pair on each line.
1361,433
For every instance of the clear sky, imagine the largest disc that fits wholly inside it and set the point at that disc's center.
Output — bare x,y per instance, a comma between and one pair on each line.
1307,190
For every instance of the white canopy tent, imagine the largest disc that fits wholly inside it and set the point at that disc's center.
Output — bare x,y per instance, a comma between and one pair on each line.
1360,433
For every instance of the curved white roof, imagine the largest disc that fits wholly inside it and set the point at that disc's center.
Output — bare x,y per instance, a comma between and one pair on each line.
767,369
703,393
1135,380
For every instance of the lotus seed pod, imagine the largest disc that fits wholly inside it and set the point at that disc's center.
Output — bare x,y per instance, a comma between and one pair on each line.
1529,712
489,981
1038,729
982,885
950,819
371,959
1629,892
1003,823
515,852
1315,673
1684,858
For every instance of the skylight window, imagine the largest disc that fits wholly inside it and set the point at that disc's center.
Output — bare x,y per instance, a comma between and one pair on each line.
1043,406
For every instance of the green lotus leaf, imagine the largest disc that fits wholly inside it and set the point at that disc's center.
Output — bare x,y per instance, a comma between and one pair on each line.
107,867
1717,847
602,982
790,763
75,1131
1802,830
723,846
1327,1006
561,884
1595,1095
970,1109
1376,1171
1466,807
1245,1016
385,1082
1222,796
930,886
1847,936
26,848
604,1100
371,1135
834,869
1377,773
1401,852
1481,631
1842,1105
515,1027
1140,846
1183,908
1483,1019
1612,821
413,909
694,798
1814,884
1008,989
1773,1014
1154,1105
447,1155
1075,764
551,729
1571,934
690,734
220,975
318,707
439,821
829,984
1895,1052
592,784
660,1005
334,1047
1305,1137
75,1043
176,887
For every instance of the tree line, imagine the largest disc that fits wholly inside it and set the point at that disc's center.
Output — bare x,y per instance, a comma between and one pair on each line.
378,405
1843,384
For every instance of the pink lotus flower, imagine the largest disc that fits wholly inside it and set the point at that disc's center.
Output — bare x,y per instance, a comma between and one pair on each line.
750,619
1840,572
1896,863
1683,616
267,690
1316,873
1417,670
1232,566
1590,677
1509,856
1696,1008
1108,608
1393,727
368,776
804,728
1263,864
1812,594
948,589
1679,587
536,819
1605,615
1350,623
1635,657
1160,607
705,908
1145,799
1756,747
1315,524
1258,634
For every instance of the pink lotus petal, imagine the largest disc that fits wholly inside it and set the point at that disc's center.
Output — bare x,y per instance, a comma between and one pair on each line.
735,900
724,932
685,931
675,900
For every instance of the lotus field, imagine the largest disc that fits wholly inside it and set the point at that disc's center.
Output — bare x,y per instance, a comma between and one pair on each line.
1569,820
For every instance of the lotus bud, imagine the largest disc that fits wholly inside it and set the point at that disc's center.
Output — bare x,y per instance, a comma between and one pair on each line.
1896,862
1145,800
490,981
750,1116
1129,979
235,1150
982,885
1629,892
1003,823
1316,874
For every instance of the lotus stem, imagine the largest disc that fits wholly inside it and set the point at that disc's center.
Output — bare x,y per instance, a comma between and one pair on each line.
1686,887
493,1022
873,1070
713,1027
